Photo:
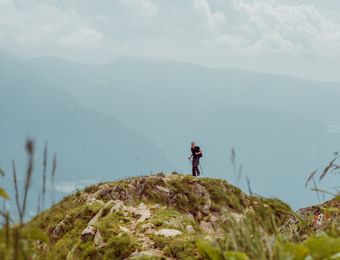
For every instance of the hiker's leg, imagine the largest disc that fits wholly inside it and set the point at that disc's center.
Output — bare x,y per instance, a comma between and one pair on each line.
193,168
197,167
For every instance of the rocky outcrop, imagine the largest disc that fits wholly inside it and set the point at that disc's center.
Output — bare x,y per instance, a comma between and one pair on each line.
168,232
156,216
88,233
143,212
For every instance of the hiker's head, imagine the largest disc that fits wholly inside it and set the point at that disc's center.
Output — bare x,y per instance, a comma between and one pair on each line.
193,144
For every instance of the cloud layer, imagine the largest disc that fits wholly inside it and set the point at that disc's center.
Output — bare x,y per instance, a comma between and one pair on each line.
244,33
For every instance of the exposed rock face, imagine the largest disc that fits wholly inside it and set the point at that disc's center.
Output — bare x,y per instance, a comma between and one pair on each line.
124,229
60,228
147,226
207,227
103,191
88,233
119,205
149,254
98,240
189,229
168,232
95,219
162,189
120,193
143,212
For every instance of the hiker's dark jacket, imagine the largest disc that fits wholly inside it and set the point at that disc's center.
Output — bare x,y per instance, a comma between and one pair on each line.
195,150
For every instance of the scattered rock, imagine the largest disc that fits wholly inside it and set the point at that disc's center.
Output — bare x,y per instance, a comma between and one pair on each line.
117,207
88,233
199,190
143,212
156,206
139,185
189,229
207,227
162,189
124,229
92,201
152,253
168,232
132,210
147,226
142,206
149,231
120,193
96,218
103,191
98,240
206,209
60,228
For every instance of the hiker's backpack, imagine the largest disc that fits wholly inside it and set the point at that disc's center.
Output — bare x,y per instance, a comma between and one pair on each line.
201,154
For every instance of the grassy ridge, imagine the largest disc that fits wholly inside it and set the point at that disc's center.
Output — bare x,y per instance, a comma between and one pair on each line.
178,217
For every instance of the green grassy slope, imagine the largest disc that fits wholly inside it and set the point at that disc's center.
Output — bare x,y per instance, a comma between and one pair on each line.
173,216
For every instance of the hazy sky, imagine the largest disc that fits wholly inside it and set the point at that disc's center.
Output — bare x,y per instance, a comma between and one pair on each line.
296,37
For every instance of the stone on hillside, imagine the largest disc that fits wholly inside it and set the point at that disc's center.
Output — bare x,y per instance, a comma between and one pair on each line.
131,209
96,218
198,189
93,201
237,217
206,209
109,204
149,231
207,227
143,212
142,206
151,253
117,207
103,191
88,233
124,229
98,240
162,189
190,216
59,230
120,193
156,206
144,215
189,229
147,226
168,232
139,185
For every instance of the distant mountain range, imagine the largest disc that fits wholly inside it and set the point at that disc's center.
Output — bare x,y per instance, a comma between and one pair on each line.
89,144
282,128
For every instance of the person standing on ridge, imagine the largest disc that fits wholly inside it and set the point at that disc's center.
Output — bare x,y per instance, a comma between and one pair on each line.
196,154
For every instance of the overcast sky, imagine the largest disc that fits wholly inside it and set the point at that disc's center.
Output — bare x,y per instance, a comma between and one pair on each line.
295,37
